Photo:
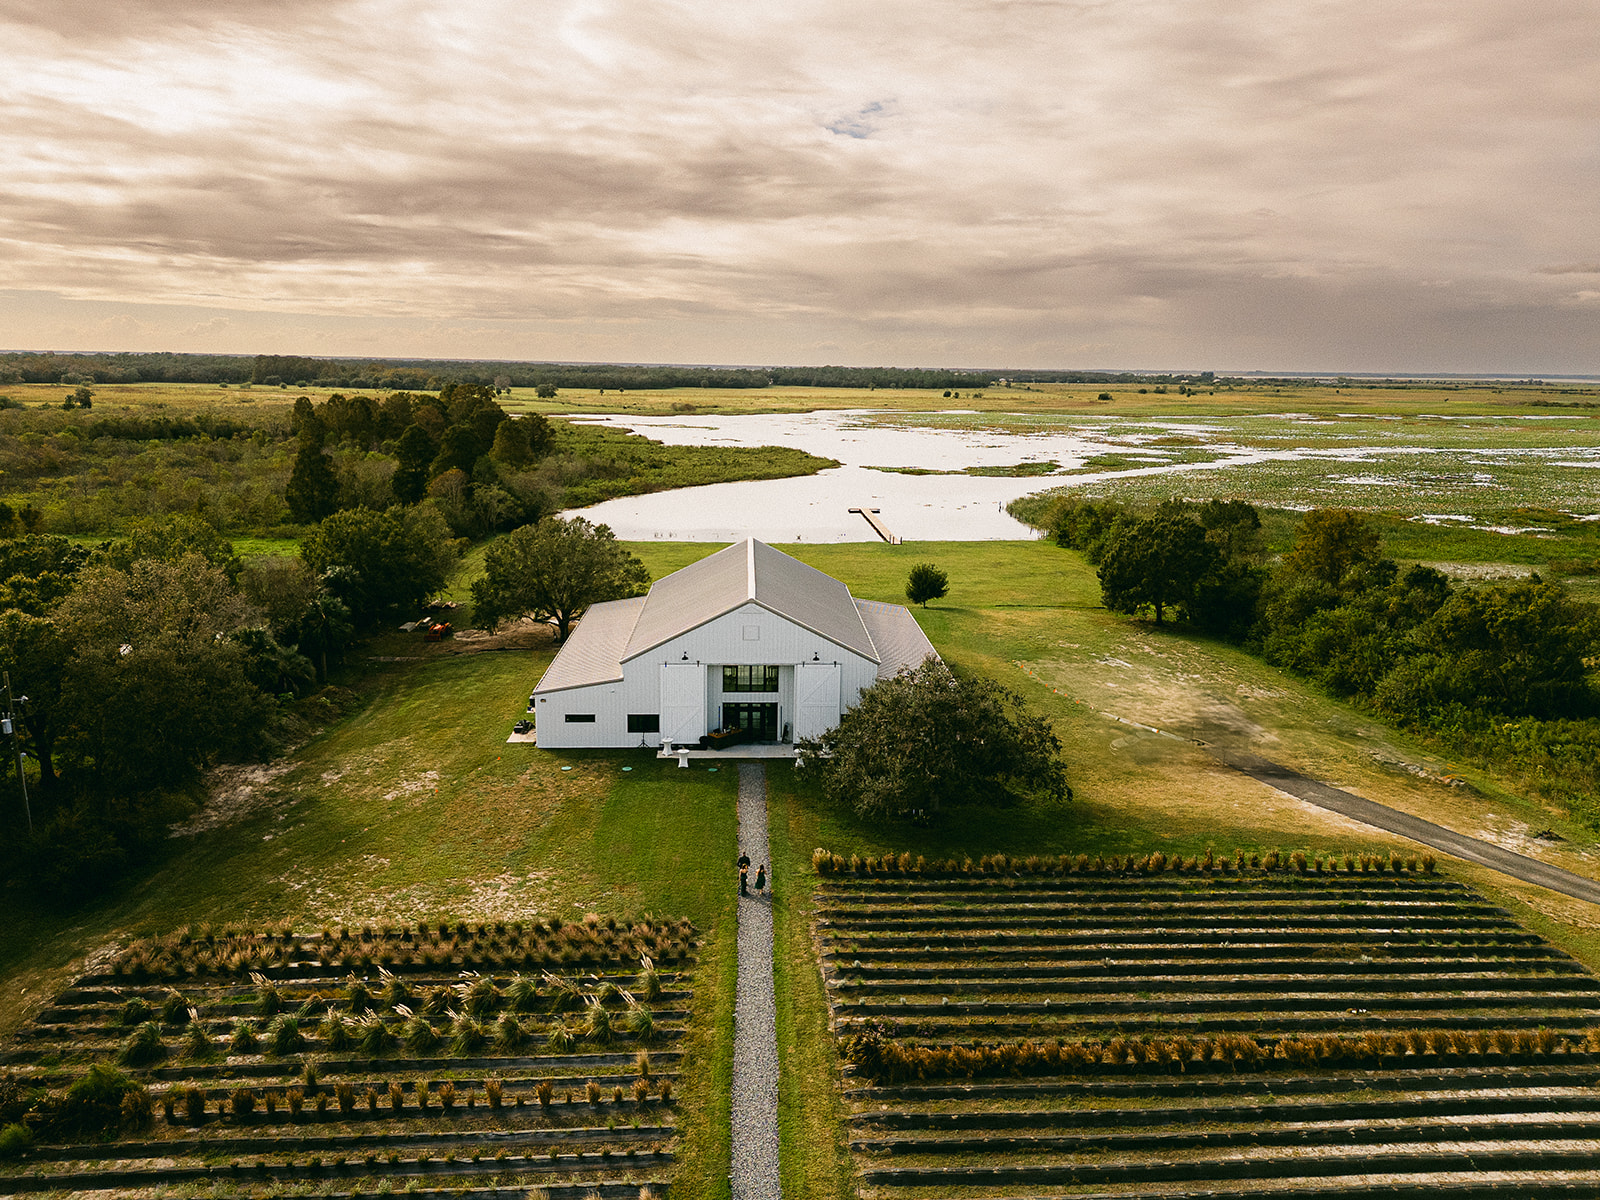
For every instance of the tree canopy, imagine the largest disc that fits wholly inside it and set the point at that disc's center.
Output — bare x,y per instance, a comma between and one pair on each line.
926,582
928,738
554,569
379,563
1155,562
1330,542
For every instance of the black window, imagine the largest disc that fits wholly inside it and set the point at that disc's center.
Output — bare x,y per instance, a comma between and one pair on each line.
750,679
644,722
580,718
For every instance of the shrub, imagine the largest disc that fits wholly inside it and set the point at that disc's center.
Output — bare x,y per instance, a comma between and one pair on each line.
493,1091
244,1040
373,1036
284,1036
15,1141
436,1001
544,1093
269,1000
468,1036
522,994
649,981
358,997
175,1008
560,1040
336,1031
345,1093
143,1046
297,1102
447,1094
478,994
420,1036
397,1096
196,1043
138,1109
395,992
591,1092
640,1022
194,1104
135,1012
242,1101
641,1090
597,1024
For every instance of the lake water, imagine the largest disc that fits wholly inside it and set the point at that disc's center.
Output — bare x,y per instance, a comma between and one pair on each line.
1428,466
815,508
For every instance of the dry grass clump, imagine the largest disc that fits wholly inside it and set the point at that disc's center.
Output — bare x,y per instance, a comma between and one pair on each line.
885,1060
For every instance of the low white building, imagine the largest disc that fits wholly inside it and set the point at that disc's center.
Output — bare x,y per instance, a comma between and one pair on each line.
747,637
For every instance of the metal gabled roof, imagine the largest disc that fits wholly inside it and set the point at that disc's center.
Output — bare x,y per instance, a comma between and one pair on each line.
746,572
900,641
593,652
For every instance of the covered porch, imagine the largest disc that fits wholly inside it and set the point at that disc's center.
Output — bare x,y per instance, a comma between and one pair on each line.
745,750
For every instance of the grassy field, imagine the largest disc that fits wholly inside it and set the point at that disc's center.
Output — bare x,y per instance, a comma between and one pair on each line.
414,806
1368,400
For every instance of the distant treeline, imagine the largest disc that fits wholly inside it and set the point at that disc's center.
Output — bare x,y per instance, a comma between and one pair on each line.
271,370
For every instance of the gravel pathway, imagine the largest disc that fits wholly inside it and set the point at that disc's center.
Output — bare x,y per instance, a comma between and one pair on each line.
754,1171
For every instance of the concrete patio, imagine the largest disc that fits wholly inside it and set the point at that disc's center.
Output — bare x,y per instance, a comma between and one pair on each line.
735,753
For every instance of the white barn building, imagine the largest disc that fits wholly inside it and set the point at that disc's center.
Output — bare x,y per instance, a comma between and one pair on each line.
747,637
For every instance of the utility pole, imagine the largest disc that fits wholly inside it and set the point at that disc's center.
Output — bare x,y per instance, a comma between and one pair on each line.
9,724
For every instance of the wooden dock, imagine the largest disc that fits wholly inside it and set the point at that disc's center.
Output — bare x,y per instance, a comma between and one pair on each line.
878,527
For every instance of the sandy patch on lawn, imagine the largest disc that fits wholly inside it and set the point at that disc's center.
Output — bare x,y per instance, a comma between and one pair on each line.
510,896
236,791
427,782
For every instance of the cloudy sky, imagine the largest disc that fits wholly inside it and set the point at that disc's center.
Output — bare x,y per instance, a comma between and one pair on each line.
1201,184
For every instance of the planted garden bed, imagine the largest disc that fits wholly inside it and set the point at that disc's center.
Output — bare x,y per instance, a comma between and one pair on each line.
479,1059
1153,1027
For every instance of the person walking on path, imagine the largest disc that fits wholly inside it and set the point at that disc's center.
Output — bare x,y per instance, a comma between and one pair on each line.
744,874
761,877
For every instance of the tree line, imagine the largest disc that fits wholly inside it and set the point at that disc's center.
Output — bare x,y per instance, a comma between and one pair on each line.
149,657
1499,670
287,370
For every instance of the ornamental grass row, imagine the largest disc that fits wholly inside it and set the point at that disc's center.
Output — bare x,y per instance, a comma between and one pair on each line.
189,1104
883,1060
204,951
826,863
457,1034
378,1016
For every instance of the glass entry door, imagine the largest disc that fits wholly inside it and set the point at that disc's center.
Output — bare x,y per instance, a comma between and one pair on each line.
759,721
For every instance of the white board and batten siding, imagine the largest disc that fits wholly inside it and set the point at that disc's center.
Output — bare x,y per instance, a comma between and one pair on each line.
604,703
655,657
